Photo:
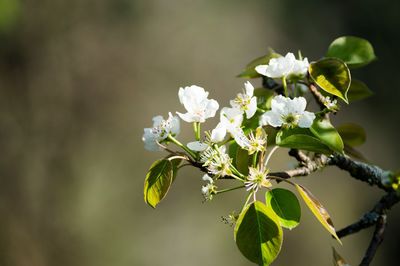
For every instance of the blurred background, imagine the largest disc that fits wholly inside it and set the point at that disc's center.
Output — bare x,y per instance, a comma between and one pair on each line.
80,79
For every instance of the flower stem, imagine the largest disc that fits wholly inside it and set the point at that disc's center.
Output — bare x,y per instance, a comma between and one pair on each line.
255,155
229,189
196,128
284,86
270,154
176,142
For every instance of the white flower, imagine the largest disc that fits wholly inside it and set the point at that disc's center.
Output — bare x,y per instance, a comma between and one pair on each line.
331,104
198,107
257,179
160,131
284,67
208,190
216,160
245,101
230,121
288,112
257,142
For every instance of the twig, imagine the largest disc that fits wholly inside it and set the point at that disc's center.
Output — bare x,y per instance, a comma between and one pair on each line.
375,241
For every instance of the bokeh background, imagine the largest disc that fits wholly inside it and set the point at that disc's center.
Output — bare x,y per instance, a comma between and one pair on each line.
80,79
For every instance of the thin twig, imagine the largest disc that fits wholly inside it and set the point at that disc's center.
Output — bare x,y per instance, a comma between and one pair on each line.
375,241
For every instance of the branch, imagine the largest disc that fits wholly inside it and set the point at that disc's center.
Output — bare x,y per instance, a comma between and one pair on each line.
376,241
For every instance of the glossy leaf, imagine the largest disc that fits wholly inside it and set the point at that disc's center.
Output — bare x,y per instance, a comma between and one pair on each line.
250,72
302,139
327,134
352,134
358,91
258,234
158,180
332,75
354,51
318,210
285,205
338,260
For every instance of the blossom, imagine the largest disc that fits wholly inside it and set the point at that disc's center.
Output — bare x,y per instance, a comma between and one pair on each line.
257,178
284,67
217,161
246,101
160,131
197,105
288,112
209,189
257,142
230,121
331,104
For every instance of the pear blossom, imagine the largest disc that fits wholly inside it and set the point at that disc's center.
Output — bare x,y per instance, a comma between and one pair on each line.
257,178
197,146
331,104
288,112
230,121
209,189
284,67
246,101
257,141
160,131
197,105
217,161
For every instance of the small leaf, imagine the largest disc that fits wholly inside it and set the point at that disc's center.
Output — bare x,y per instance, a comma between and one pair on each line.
352,134
285,205
250,71
358,91
258,234
354,51
302,139
242,160
264,98
318,210
325,132
158,180
337,259
332,75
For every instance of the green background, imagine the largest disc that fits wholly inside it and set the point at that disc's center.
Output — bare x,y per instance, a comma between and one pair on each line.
79,80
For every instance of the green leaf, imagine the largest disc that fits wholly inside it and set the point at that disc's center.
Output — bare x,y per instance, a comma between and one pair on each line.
258,234
352,134
332,75
354,51
318,210
242,160
250,72
264,98
358,91
327,134
285,205
337,259
158,180
302,139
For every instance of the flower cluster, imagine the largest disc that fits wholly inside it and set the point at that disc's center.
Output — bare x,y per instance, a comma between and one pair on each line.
285,112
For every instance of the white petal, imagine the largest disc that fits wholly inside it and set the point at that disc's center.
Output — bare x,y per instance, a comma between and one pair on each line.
175,124
207,178
218,133
197,146
278,104
240,137
231,117
306,119
211,108
157,120
188,117
149,140
297,105
271,118
252,108
249,88
261,69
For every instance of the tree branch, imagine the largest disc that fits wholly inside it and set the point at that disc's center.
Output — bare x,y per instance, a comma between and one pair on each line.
376,241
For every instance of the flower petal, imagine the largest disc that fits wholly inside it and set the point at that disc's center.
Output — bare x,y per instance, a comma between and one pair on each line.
252,108
249,88
218,133
271,118
197,146
306,119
